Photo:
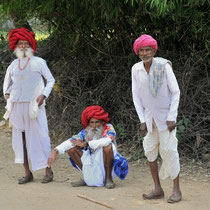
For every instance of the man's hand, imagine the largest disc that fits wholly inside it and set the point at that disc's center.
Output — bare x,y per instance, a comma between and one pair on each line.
52,158
171,125
78,143
40,99
143,129
6,96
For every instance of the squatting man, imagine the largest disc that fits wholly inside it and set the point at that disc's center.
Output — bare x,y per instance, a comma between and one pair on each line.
93,151
156,98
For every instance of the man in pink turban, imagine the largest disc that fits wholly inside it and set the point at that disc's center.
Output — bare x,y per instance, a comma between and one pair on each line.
25,92
93,150
156,98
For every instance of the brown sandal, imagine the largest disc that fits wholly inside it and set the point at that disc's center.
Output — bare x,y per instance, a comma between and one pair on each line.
152,195
25,179
47,178
79,183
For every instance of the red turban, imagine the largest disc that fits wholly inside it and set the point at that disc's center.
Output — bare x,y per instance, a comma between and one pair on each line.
96,112
144,41
24,34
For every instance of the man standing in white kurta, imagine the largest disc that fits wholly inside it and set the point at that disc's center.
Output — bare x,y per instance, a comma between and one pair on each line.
25,93
156,98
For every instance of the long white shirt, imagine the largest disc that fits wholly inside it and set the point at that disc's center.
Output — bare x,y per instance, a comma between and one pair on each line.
163,107
21,84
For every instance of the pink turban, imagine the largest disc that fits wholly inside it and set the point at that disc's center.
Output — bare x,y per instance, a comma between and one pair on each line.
24,34
96,112
144,41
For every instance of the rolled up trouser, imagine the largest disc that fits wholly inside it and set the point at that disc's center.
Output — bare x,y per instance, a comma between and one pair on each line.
166,143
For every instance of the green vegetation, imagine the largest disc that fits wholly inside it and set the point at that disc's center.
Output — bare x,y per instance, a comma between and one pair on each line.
89,50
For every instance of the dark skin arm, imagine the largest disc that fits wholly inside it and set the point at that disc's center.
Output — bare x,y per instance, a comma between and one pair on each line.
40,99
53,156
171,125
143,129
6,96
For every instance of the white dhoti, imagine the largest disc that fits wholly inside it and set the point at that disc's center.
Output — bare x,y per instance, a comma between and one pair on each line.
93,167
166,143
36,134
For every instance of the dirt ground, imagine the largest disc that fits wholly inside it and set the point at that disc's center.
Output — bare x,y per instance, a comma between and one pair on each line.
60,195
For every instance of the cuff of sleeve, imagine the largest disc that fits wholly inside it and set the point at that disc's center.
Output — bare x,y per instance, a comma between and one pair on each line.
65,146
46,96
171,118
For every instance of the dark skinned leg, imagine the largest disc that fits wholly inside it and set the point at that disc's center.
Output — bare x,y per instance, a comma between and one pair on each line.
108,164
158,191
176,195
25,164
76,154
28,175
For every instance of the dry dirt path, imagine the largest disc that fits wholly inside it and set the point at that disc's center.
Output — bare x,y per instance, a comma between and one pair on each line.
59,195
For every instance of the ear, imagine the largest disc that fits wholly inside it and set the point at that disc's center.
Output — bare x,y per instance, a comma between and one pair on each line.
154,51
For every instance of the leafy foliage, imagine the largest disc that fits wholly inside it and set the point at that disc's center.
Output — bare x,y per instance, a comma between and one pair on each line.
90,54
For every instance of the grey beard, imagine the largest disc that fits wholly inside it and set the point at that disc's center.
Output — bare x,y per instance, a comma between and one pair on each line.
146,60
94,132
20,53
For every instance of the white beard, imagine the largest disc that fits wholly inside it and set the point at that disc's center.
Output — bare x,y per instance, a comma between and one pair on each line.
146,59
22,53
94,132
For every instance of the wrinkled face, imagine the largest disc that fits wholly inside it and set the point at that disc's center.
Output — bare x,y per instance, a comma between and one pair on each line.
146,54
94,129
23,45
94,123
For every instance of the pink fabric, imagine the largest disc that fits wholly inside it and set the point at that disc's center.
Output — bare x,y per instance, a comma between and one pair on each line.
144,41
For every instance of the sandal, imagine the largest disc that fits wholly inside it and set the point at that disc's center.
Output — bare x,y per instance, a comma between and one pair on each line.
110,185
174,197
79,183
25,179
152,195
47,178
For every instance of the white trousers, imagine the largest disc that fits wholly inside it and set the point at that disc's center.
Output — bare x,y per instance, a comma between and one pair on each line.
36,134
166,143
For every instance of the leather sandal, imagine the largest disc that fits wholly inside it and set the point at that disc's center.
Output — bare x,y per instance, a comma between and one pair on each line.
110,185
79,183
174,197
25,179
47,178
152,195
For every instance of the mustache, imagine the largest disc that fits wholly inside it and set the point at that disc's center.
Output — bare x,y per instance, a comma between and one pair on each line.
97,132
95,129
21,52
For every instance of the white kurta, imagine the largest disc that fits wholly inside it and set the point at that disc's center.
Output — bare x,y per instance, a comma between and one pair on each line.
35,128
36,133
93,167
155,111
161,108
92,162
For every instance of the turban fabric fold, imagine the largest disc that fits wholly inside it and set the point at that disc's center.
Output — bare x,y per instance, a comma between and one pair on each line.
144,41
94,111
24,34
